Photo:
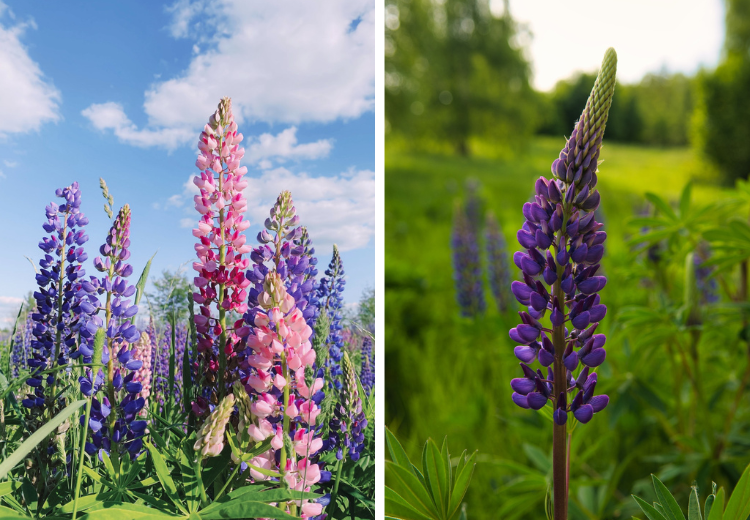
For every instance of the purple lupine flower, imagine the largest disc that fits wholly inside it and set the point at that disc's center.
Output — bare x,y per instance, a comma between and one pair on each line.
331,300
114,415
307,280
161,363
62,307
708,289
467,268
22,350
563,245
367,372
498,268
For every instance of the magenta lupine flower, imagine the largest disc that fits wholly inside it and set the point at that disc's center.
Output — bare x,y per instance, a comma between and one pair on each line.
221,281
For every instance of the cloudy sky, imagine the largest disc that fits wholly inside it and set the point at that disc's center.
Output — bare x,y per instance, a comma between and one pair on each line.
122,92
572,35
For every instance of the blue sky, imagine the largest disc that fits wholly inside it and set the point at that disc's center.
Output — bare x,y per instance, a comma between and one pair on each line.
122,90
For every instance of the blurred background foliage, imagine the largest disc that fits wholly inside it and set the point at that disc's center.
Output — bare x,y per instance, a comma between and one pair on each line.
461,114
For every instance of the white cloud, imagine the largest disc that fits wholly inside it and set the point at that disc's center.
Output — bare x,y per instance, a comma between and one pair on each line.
10,164
284,146
289,61
111,116
188,222
2,175
338,209
9,309
175,201
27,98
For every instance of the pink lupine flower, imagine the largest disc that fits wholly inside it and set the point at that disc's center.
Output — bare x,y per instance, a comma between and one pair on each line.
142,352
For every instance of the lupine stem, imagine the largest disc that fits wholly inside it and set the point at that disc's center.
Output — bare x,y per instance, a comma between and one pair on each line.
81,456
222,318
559,432
335,493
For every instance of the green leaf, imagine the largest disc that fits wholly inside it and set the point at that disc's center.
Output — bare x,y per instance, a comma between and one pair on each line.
694,507
399,509
717,509
649,510
709,504
671,508
164,477
109,467
685,208
463,479
141,285
87,502
398,455
662,206
738,507
190,480
538,458
406,484
246,509
436,476
38,436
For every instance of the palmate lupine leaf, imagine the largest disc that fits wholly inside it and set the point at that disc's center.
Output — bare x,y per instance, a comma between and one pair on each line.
434,493
738,507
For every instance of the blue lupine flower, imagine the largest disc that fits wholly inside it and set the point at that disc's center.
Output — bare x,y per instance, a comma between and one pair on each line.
62,307
498,268
331,301
467,268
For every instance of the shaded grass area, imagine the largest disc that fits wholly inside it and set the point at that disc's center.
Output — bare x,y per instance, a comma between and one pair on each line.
446,375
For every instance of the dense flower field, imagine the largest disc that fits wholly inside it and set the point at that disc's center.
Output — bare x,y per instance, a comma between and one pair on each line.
259,404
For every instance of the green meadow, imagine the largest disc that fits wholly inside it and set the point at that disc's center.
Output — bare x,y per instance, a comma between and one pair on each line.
447,375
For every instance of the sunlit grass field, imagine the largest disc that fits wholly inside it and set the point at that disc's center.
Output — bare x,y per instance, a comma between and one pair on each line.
446,375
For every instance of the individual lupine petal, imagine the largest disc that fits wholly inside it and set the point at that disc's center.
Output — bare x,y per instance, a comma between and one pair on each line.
522,385
520,400
560,415
570,358
599,403
527,354
536,400
584,413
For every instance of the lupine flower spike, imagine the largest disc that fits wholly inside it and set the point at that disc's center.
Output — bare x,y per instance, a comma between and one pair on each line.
331,300
498,267
220,279
467,268
114,415
563,246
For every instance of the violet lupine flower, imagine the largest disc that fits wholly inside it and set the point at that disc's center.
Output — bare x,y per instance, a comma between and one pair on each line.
220,279
22,350
467,268
498,268
367,372
161,363
708,289
564,245
307,280
114,415
62,307
331,301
